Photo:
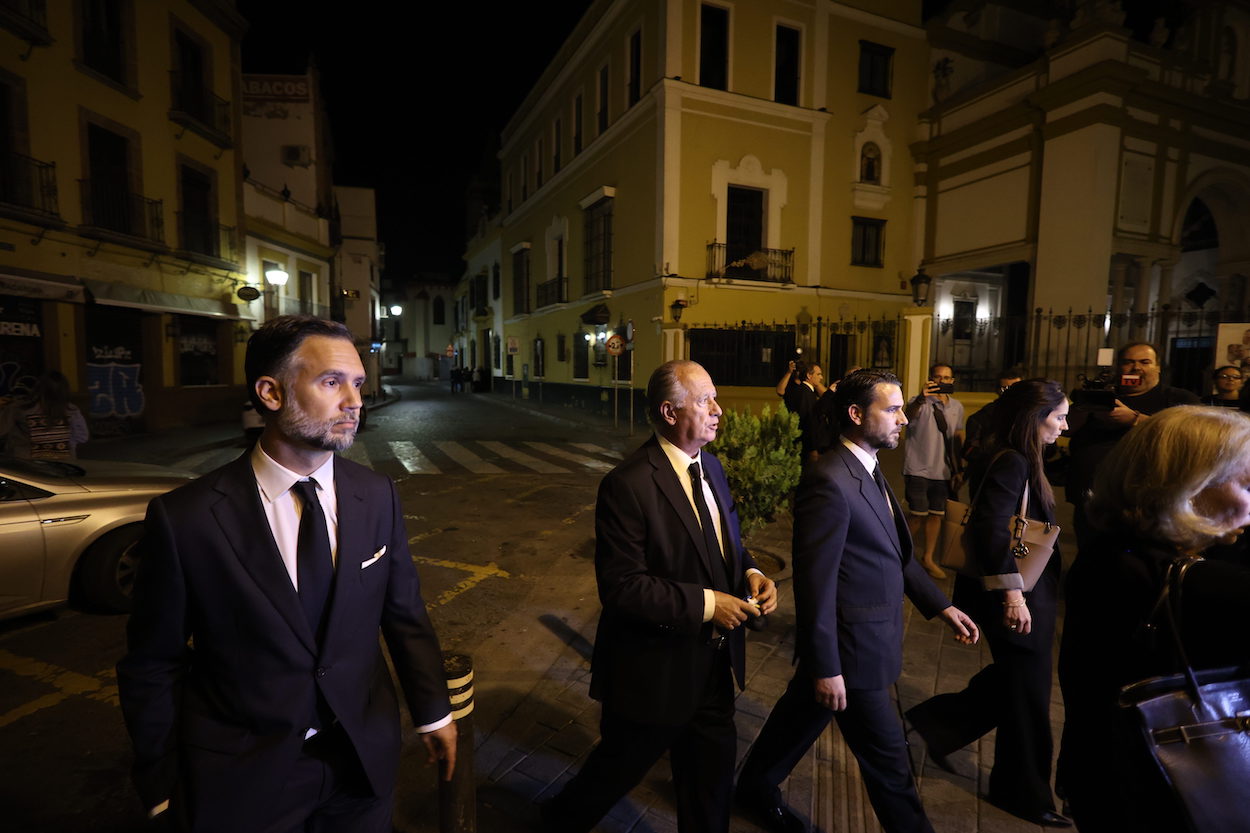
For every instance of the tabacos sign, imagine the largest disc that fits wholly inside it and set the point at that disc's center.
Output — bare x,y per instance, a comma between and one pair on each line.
276,87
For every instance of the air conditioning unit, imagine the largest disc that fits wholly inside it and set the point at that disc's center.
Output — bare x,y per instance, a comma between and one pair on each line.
297,155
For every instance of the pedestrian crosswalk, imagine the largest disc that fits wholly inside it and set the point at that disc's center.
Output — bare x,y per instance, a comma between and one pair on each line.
452,457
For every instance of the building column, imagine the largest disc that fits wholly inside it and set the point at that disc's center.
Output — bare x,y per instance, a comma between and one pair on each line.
918,326
1119,269
1163,301
1141,300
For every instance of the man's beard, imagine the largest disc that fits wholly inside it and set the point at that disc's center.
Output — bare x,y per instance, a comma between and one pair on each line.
319,434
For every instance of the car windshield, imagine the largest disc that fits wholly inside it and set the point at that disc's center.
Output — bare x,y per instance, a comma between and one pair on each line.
40,468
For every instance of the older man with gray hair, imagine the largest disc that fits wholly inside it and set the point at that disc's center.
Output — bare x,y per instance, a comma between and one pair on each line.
676,586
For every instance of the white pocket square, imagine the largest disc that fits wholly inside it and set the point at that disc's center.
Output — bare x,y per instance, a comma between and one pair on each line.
369,561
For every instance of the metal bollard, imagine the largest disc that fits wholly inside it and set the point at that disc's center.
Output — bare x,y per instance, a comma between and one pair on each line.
457,798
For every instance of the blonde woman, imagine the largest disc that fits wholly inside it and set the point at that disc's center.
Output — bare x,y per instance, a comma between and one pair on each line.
1178,483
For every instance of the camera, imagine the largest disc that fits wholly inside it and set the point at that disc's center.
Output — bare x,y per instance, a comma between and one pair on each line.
1098,391
946,387
800,367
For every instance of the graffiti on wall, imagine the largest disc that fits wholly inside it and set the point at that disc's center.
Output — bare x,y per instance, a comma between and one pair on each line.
115,390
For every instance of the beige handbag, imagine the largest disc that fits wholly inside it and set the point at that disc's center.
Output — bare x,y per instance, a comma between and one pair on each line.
1032,542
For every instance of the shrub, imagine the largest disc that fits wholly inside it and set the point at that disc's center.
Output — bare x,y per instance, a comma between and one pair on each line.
761,460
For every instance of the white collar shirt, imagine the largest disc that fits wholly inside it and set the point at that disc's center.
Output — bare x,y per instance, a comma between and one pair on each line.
283,509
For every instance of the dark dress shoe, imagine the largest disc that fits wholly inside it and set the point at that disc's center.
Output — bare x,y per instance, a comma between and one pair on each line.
775,818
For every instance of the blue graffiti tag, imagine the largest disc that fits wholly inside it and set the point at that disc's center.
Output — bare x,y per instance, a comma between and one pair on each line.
115,390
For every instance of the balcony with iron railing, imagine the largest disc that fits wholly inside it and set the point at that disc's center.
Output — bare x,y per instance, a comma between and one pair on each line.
194,105
28,19
770,265
108,208
554,291
28,185
212,240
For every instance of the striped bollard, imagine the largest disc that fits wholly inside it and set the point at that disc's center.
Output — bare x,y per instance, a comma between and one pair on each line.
457,798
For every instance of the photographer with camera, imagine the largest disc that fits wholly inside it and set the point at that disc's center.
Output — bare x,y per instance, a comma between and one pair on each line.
931,470
801,388
1103,412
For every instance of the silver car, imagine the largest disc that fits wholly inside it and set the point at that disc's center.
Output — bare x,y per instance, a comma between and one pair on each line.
68,530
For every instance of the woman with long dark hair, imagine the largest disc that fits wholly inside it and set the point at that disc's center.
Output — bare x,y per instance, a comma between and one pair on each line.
46,425
1013,693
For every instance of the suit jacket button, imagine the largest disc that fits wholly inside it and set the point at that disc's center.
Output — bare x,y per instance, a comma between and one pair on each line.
321,672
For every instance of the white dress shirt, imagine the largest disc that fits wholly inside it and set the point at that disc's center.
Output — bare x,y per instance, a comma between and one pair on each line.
283,509
680,462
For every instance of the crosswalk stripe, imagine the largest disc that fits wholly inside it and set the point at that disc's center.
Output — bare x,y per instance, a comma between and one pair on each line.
601,451
588,462
359,454
518,456
468,459
411,458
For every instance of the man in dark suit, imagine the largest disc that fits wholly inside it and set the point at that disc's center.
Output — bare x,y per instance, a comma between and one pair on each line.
254,687
674,581
853,562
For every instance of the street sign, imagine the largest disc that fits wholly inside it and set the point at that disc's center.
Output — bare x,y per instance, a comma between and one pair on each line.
616,345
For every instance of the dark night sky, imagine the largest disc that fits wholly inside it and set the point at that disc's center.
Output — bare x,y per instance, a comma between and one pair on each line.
417,95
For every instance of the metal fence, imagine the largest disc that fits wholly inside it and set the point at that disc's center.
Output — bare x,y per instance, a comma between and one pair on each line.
772,265
1064,345
756,353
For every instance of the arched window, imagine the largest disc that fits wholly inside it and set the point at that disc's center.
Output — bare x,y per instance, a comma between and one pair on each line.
870,164
440,310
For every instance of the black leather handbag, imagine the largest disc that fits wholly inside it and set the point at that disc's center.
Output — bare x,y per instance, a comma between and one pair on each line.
1197,726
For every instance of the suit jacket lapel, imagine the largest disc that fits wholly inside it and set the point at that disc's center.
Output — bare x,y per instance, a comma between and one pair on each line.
872,496
720,487
666,479
240,515
354,546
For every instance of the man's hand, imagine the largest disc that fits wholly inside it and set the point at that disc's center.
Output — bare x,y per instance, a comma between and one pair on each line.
764,591
830,692
961,625
442,745
1122,414
730,611
930,388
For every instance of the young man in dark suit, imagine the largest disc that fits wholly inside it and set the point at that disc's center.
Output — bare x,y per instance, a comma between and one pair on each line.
674,581
853,562
254,687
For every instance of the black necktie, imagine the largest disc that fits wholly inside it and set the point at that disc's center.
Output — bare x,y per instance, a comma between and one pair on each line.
720,579
314,566
885,494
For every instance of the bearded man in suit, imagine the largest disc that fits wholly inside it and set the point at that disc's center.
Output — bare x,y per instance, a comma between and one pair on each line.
853,561
676,586
254,686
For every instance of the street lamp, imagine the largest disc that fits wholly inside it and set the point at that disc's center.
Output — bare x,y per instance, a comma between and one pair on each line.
920,287
396,310
677,307
277,277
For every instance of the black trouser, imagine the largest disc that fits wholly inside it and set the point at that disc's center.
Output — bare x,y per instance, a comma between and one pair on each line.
1012,694
871,729
701,752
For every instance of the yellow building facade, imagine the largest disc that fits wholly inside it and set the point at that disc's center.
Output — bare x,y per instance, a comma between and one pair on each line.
121,207
1084,181
721,181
